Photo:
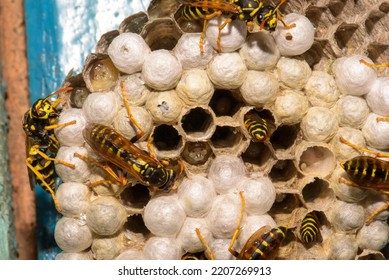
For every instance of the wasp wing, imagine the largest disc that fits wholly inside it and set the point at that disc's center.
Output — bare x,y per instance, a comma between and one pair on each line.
221,5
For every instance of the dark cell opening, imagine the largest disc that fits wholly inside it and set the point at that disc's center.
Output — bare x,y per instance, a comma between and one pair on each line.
166,138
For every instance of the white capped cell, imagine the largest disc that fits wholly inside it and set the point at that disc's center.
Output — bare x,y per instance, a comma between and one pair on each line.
80,173
71,135
294,73
194,87
164,216
136,90
101,107
188,52
352,76
227,70
259,193
196,195
106,248
347,217
352,111
162,248
128,52
223,218
164,106
259,88
260,51
188,238
219,249
376,132
290,106
321,89
296,40
232,37
319,124
342,247
72,235
378,97
74,198
226,172
373,236
106,216
161,70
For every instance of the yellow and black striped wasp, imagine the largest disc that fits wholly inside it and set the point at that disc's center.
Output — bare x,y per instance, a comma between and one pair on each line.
368,173
263,244
41,143
259,129
122,153
251,11
309,229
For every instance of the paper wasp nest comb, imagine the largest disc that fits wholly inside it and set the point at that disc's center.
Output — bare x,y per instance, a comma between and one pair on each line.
196,108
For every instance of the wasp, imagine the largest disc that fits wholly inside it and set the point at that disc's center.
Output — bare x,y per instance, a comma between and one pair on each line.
368,173
40,163
309,230
115,148
259,129
261,245
250,11
40,120
372,65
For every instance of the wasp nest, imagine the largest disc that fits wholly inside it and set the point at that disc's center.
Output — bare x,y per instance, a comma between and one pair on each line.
306,82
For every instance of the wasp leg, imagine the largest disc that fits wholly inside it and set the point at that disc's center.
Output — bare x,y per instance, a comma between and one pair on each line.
118,178
130,116
58,125
205,243
58,101
376,212
46,157
100,182
382,119
377,154
372,65
347,182
206,19
237,231
219,47
279,17
43,182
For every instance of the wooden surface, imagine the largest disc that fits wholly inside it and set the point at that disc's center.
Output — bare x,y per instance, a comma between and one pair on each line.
15,81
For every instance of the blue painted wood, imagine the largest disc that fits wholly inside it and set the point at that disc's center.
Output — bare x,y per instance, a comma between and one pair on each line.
60,34
7,230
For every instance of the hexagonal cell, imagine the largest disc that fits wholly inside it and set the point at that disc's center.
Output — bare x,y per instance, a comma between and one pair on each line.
336,7
196,153
198,123
284,136
136,196
224,103
317,194
257,153
135,224
285,203
226,137
315,15
316,53
167,139
315,159
161,34
283,170
134,23
346,36
373,21
162,8
105,40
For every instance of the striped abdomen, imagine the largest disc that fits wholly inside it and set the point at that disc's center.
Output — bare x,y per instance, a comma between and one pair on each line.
263,244
115,148
47,169
195,13
368,172
309,228
257,128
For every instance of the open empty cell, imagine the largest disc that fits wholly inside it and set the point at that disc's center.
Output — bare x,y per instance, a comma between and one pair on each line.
316,160
226,137
285,203
136,196
136,225
284,136
283,170
257,153
197,124
196,153
223,103
162,34
317,194
166,138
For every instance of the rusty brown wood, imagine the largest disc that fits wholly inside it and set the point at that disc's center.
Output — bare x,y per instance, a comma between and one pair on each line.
15,78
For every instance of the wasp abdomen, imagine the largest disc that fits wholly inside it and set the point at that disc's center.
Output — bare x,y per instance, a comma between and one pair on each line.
367,171
257,129
309,228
